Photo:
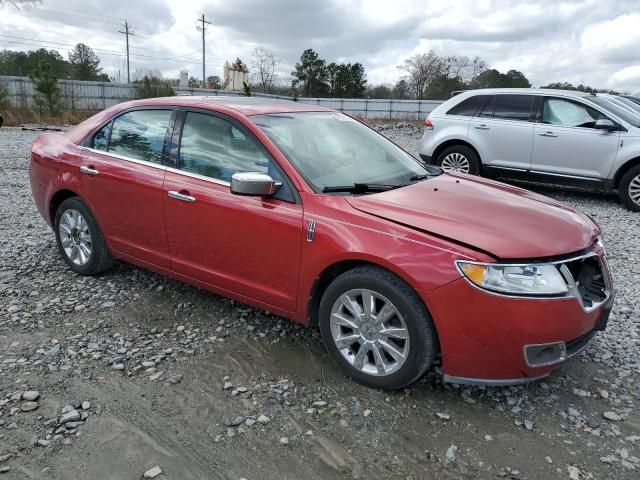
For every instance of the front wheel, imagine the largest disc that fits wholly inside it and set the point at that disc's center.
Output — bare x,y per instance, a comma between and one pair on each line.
459,158
377,328
630,189
79,238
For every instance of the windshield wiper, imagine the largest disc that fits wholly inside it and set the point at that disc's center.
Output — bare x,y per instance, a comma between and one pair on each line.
360,188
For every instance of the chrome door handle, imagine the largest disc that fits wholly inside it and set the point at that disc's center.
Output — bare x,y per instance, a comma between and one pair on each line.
482,126
181,196
89,170
547,134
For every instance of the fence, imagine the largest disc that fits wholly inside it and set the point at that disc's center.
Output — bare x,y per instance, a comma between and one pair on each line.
84,95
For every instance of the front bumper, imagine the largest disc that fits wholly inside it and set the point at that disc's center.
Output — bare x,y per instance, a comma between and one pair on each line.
484,337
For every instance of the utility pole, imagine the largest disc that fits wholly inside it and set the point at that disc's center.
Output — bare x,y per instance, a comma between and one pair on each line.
204,29
127,33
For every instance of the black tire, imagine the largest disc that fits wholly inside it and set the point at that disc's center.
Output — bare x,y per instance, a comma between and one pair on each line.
423,338
475,166
624,192
100,258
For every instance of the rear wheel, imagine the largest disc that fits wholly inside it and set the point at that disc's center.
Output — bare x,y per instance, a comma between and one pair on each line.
79,238
377,328
630,189
459,158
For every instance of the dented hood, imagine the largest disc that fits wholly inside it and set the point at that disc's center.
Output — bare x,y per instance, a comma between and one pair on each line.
505,221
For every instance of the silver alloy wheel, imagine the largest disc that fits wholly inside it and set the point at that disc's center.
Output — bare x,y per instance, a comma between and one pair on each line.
455,162
634,189
369,332
75,237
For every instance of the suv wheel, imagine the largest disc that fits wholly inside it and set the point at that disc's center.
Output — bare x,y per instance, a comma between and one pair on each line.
79,238
377,328
630,189
459,158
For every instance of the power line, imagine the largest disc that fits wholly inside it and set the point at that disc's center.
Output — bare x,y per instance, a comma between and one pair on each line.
127,33
204,29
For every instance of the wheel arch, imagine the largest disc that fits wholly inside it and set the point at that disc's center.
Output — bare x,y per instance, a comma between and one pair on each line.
331,272
624,168
57,199
453,142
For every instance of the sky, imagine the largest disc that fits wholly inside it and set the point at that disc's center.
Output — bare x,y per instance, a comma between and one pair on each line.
594,42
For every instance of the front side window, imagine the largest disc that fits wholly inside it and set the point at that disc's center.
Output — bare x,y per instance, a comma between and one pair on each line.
140,134
331,149
557,111
216,148
513,107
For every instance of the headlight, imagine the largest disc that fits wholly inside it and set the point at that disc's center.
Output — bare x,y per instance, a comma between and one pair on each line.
534,279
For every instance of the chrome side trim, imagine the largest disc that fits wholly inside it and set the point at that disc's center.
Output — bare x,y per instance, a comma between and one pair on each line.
564,175
491,382
198,176
311,230
121,157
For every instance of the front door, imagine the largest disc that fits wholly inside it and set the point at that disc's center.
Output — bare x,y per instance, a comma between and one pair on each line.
122,178
246,245
567,144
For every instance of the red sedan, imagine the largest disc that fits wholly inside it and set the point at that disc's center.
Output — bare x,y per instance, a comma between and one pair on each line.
308,213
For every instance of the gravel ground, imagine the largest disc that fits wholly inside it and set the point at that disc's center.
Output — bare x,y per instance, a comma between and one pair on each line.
130,374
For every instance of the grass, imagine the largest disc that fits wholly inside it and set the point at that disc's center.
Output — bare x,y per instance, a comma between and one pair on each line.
16,117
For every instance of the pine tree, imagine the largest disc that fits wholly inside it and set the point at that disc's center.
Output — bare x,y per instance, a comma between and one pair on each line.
45,83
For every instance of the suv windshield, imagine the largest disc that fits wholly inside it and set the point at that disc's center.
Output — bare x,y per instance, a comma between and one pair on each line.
330,149
624,113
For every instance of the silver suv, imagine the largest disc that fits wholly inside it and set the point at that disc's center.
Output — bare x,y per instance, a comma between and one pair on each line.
553,136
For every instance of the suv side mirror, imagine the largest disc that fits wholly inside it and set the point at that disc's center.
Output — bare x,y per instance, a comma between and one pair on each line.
605,124
253,184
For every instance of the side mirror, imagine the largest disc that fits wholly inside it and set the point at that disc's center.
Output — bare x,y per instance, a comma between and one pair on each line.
605,124
253,183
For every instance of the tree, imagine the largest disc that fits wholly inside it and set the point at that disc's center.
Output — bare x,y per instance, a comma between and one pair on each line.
310,73
442,85
21,63
85,64
401,90
421,69
264,66
492,78
151,87
379,91
47,94
214,81
4,97
246,89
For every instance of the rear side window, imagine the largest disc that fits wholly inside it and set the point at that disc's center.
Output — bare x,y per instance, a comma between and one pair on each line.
140,134
101,139
513,107
470,106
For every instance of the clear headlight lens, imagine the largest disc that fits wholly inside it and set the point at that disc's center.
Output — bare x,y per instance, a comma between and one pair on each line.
535,279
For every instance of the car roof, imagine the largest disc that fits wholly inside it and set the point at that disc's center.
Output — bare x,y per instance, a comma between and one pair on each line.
529,91
244,105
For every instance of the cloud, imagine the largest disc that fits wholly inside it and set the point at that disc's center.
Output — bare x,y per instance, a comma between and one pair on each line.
579,41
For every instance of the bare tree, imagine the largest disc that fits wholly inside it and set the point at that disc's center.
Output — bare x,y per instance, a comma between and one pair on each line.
463,68
20,4
421,69
264,65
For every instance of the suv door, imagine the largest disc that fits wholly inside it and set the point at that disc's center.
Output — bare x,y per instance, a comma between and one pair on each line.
502,132
246,245
567,144
122,179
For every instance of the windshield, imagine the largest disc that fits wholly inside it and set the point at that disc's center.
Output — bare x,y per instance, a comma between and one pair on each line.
624,112
330,149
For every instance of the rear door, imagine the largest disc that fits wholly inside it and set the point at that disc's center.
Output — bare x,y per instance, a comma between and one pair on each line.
246,245
567,144
502,132
122,178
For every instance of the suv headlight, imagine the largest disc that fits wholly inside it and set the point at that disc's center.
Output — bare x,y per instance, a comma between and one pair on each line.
533,279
